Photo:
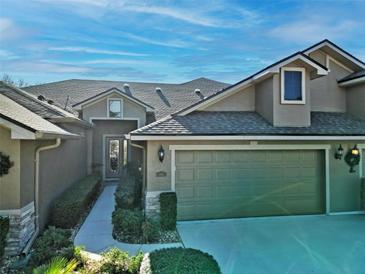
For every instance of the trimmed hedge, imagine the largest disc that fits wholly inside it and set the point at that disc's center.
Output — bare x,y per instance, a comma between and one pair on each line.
168,210
181,261
4,229
126,198
68,209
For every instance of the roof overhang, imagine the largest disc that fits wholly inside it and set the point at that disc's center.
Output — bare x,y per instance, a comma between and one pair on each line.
94,99
352,82
317,69
133,137
338,53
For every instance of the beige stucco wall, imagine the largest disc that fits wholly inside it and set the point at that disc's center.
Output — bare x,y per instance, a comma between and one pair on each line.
10,183
326,94
344,186
355,99
99,109
264,99
243,100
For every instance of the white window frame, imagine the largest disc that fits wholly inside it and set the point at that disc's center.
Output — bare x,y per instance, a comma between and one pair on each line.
121,107
282,86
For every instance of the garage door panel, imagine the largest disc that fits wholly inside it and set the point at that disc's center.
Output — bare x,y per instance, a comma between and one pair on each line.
227,184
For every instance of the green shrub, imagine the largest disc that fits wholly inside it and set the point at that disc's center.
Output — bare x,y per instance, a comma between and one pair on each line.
150,231
127,225
68,209
125,197
115,261
4,229
57,265
168,210
363,193
54,242
182,261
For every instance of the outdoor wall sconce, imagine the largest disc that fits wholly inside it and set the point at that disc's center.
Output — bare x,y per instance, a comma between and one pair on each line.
339,153
5,164
161,154
352,158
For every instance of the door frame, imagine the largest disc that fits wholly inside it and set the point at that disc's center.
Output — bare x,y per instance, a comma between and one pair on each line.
255,146
105,136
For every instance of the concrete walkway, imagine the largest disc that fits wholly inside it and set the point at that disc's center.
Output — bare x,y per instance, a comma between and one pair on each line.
96,232
298,245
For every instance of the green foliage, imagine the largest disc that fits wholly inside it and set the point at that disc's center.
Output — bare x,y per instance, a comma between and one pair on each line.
150,231
168,210
183,261
68,209
125,198
363,192
116,261
127,225
54,242
58,265
4,229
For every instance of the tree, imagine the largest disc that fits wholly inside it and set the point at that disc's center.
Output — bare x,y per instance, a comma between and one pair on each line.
20,83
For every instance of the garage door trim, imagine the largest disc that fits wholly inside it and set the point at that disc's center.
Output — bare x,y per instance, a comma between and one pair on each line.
326,149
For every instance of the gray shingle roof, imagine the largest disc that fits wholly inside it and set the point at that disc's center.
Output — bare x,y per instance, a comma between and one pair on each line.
31,103
352,76
16,113
251,123
174,96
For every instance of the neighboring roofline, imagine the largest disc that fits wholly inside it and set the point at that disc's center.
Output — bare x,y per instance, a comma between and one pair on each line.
273,68
15,122
77,121
340,50
108,91
136,137
55,108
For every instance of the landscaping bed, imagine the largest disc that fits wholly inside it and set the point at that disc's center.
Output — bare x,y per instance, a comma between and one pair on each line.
130,225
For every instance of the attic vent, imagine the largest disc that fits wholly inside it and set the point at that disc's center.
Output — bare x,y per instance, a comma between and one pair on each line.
158,90
41,98
49,101
126,88
198,92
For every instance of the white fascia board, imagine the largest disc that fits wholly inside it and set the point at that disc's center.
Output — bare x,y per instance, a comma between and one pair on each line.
344,54
244,137
18,132
352,82
249,147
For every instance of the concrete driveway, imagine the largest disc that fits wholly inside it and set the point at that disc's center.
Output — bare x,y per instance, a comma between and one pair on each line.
305,244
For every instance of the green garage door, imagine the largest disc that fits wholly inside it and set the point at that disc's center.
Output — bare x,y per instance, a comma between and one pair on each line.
228,184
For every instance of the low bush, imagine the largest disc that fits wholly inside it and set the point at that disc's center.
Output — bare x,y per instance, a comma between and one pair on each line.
127,225
69,208
115,261
54,242
182,261
150,231
168,210
125,197
4,229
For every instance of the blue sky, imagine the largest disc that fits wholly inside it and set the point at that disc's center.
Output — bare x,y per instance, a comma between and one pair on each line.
166,41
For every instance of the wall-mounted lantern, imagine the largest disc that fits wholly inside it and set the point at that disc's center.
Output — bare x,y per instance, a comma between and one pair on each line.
161,154
352,158
339,153
5,164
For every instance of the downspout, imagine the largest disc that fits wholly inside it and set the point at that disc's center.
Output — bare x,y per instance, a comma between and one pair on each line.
36,192
144,168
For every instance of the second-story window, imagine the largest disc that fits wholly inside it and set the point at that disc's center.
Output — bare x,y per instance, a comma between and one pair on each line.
115,108
292,85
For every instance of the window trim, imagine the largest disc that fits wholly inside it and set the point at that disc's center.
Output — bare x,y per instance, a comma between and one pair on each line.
121,107
282,86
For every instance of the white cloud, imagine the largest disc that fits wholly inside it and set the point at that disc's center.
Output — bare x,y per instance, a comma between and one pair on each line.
312,30
177,13
39,66
8,30
95,51
171,43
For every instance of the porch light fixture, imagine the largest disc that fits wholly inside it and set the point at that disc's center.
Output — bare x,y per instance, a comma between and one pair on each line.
339,153
161,154
352,158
